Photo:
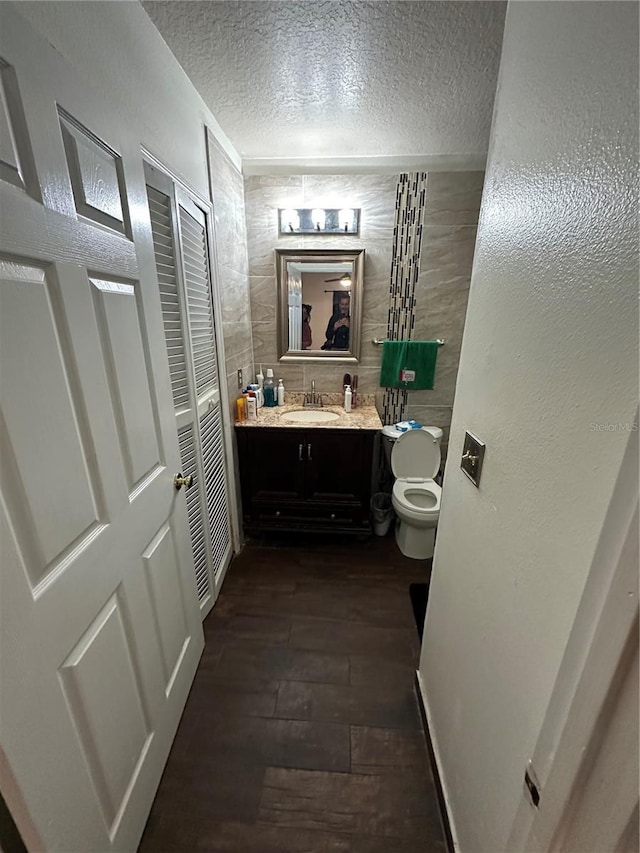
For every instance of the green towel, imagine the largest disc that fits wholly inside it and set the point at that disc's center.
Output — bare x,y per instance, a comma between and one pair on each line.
408,364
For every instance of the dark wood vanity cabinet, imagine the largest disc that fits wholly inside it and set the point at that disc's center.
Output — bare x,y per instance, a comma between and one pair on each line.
305,479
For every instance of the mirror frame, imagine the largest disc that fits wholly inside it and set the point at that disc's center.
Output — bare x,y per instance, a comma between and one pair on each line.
353,256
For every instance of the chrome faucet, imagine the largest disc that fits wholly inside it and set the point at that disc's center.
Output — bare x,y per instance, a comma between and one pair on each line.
312,400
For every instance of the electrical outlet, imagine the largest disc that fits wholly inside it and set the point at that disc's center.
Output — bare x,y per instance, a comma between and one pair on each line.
240,382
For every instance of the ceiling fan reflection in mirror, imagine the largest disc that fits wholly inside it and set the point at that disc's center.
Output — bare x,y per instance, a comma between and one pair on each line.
345,280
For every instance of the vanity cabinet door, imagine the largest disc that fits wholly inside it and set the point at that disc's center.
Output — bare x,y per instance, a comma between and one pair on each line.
272,464
338,467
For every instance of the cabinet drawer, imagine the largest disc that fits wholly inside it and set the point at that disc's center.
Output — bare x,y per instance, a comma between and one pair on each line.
307,516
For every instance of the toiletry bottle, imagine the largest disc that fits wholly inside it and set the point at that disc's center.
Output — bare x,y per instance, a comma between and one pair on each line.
257,390
260,379
252,407
347,398
241,409
280,393
269,390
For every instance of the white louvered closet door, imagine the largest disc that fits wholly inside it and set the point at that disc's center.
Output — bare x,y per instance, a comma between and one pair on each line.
181,249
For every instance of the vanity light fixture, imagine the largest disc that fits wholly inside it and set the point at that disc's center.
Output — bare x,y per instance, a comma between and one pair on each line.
319,220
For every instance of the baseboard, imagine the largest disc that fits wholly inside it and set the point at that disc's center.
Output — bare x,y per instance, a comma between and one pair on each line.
449,835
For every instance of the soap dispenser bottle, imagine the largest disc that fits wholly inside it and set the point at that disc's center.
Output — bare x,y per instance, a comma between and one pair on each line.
347,398
280,393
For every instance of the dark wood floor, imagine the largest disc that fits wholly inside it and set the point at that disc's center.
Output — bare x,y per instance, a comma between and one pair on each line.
302,731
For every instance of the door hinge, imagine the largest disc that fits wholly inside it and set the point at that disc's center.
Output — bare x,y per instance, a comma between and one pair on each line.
532,785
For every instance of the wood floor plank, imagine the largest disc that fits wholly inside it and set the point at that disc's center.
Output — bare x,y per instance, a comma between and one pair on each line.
254,661
241,628
245,741
216,836
380,606
369,706
378,751
250,697
351,638
200,791
311,600
373,844
348,803
368,670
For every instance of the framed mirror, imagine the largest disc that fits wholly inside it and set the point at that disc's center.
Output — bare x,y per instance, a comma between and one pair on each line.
319,304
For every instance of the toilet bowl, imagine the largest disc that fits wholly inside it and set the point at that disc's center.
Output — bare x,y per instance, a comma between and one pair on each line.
415,460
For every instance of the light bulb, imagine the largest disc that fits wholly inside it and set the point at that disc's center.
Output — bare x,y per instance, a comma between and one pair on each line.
289,221
318,217
346,218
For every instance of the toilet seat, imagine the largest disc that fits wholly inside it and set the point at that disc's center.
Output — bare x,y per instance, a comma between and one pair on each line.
417,501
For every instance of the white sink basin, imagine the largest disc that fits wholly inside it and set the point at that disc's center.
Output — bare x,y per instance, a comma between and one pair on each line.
310,416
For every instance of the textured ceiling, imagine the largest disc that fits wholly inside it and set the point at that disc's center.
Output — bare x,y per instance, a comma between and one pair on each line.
293,79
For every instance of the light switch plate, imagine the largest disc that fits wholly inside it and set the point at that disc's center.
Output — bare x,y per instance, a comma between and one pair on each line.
472,457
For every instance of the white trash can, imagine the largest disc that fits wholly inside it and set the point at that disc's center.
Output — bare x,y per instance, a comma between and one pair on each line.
382,513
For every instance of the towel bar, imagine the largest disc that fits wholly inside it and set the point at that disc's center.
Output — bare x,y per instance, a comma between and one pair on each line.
378,342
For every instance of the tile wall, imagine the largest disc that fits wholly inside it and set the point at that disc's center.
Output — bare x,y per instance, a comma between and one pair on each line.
416,277
230,222
405,267
230,238
448,242
375,195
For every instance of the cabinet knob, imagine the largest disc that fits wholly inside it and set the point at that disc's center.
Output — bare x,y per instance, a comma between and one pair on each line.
277,513
300,452
333,515
309,457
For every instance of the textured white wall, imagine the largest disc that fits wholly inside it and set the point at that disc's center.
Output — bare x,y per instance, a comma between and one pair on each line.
550,349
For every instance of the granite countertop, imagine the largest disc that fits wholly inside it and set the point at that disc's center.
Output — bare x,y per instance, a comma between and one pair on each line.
364,416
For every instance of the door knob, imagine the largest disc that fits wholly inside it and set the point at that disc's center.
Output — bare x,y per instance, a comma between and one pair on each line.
179,481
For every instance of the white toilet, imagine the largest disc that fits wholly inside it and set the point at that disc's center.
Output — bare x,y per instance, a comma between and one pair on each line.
415,461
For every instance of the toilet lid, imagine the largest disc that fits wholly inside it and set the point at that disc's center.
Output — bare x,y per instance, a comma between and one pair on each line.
415,454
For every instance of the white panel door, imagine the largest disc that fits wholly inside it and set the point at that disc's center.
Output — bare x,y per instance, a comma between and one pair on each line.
100,626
